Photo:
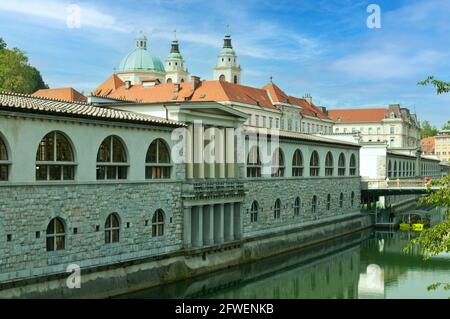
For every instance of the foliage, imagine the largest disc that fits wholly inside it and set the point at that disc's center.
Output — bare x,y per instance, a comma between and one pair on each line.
16,75
441,86
428,130
446,126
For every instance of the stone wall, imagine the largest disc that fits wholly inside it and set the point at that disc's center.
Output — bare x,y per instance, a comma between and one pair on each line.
25,212
265,192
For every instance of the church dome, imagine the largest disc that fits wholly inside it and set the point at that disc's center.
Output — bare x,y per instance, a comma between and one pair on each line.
140,59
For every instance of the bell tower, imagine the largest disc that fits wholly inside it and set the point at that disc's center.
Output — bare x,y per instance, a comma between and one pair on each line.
227,68
175,70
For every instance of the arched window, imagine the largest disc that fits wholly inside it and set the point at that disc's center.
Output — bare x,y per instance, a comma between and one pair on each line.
395,168
112,229
157,160
297,207
54,158
277,209
235,79
112,159
352,199
297,164
158,223
182,81
389,169
169,80
278,163
222,78
4,164
329,164
341,165
341,200
314,204
254,162
314,166
56,235
328,202
352,165
254,212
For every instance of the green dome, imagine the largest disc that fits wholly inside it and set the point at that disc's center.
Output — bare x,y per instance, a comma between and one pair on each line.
175,56
140,60
227,51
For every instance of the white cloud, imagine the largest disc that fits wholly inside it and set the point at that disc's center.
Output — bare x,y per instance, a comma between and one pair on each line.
59,11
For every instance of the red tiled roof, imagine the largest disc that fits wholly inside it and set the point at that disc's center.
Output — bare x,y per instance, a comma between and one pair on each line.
109,86
358,115
63,94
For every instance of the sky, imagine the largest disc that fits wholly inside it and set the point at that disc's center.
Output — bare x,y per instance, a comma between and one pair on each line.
322,47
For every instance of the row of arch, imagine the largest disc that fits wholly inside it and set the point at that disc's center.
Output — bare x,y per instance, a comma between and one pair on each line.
57,230
254,164
401,169
55,159
297,206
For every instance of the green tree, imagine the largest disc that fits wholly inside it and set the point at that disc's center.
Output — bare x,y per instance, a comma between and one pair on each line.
446,126
16,74
428,130
441,86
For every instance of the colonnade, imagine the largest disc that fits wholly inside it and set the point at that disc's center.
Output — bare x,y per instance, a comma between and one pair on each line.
208,225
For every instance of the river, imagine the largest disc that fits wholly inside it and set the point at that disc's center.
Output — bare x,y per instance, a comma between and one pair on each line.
368,264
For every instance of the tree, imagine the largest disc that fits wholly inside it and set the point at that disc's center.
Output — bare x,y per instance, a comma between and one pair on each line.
441,86
16,74
428,130
446,126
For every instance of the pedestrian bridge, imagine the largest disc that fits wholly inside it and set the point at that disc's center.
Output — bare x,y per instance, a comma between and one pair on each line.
395,187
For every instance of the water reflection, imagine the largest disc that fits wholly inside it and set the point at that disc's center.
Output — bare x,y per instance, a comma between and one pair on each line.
369,264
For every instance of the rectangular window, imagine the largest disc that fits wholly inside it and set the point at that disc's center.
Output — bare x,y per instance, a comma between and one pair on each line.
392,130
270,122
257,120
264,121
277,123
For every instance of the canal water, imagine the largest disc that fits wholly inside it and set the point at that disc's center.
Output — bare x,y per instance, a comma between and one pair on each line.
368,264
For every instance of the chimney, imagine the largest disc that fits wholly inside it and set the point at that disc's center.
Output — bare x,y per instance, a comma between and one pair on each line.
308,98
176,87
127,85
195,82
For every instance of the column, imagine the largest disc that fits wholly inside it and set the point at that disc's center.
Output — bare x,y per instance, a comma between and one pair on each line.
229,153
198,227
187,227
229,222
189,153
210,156
218,223
208,225
199,144
220,155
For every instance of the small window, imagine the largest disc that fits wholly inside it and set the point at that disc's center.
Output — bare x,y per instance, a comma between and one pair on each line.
277,209
112,159
314,205
112,229
158,223
254,212
235,80
54,158
157,161
297,207
56,235
222,78
341,200
352,199
328,202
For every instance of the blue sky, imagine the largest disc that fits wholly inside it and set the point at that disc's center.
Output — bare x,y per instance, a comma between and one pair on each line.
321,47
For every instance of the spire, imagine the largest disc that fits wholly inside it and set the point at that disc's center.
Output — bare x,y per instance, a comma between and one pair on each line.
227,39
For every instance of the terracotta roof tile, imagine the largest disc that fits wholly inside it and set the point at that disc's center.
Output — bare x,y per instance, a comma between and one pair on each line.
29,103
358,115
109,86
65,94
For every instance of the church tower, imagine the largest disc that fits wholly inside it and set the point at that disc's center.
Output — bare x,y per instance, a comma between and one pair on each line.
227,68
175,71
